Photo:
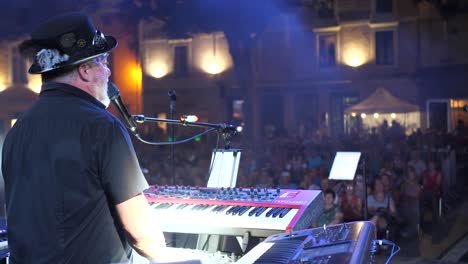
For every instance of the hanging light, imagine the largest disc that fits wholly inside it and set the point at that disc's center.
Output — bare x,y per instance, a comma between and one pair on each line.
376,115
393,115
363,115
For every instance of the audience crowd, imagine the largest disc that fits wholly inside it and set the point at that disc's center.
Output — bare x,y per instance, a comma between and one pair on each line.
404,177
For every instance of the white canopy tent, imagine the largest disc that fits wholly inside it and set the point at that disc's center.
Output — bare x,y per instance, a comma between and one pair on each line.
382,105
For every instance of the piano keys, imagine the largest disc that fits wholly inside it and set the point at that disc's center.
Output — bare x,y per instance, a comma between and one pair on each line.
233,211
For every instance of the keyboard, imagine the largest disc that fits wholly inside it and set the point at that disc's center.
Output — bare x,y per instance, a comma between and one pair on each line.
335,244
233,211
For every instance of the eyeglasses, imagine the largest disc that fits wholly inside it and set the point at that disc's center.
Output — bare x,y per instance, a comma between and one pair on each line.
99,40
101,60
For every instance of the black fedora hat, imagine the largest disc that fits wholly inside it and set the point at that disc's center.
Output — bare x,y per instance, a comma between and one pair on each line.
66,40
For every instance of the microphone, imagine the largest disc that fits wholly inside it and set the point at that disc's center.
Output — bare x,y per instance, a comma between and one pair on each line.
114,96
172,95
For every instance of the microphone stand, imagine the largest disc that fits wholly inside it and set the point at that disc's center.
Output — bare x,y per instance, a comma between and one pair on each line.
227,131
366,182
173,98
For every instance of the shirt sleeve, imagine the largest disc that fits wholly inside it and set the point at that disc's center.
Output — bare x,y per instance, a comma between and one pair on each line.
122,177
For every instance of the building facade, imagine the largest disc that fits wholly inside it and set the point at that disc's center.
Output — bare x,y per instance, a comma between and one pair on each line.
312,64
309,65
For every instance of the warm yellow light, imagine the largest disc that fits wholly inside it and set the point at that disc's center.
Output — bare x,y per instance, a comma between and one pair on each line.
353,114
213,68
34,83
162,125
2,85
393,115
376,115
363,115
354,57
135,73
13,121
158,70
213,64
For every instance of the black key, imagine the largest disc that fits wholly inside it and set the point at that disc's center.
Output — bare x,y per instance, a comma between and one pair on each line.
206,206
275,214
254,211
272,211
244,209
160,206
259,212
230,210
196,207
216,209
223,207
236,210
285,212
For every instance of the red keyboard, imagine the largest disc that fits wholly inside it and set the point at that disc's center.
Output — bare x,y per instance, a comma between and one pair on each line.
233,211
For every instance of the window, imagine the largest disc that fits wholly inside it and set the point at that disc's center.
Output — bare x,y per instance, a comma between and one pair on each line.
180,61
327,50
384,49
19,70
383,6
325,8
237,109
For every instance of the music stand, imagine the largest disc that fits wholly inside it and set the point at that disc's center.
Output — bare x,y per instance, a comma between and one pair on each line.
344,168
224,168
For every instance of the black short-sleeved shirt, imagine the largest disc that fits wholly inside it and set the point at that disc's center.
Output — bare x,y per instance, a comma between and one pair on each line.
66,163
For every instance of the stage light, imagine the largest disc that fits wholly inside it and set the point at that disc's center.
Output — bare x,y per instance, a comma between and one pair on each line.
354,56
213,68
353,114
189,118
376,115
393,115
363,115
158,70
3,86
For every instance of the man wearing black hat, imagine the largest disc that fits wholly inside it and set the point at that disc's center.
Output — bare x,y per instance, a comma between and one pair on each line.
73,182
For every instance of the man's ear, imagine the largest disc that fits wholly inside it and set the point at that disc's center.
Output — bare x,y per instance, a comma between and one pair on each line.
83,72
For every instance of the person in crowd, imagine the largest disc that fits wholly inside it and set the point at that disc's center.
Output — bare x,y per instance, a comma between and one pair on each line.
332,213
313,159
359,186
285,181
409,206
296,165
311,180
432,178
351,204
73,184
387,181
417,163
410,189
381,207
264,179
399,164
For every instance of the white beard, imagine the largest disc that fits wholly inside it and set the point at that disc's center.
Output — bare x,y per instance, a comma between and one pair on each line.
106,101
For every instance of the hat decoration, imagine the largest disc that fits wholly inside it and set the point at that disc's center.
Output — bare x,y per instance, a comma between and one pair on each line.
65,41
49,59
